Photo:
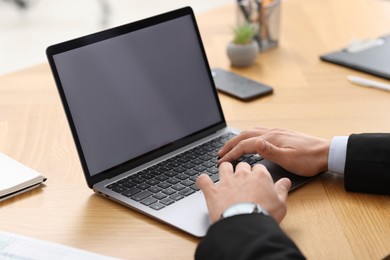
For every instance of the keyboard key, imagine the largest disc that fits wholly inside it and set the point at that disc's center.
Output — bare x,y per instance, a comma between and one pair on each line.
182,176
165,168
208,173
215,177
119,189
191,156
121,181
138,180
214,155
173,181
155,189
157,206
167,201
142,195
187,183
112,185
194,178
186,191
171,173
200,168
156,172
189,165
149,201
143,186
129,184
194,187
212,170
153,182
214,160
180,169
200,152
208,164
217,144
159,196
183,159
190,172
251,161
130,192
209,148
164,185
197,162
147,176
162,177
178,187
176,196
173,163
205,158
169,191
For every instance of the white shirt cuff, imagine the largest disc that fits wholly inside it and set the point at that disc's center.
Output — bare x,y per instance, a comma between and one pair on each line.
338,154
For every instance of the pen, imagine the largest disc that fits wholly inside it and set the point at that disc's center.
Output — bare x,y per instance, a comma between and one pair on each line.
368,83
243,6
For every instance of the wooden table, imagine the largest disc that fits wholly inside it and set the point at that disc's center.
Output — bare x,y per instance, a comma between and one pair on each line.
310,96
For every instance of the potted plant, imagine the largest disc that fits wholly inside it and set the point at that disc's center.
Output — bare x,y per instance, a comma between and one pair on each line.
243,50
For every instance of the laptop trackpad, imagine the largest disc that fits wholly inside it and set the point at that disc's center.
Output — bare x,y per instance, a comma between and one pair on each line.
190,215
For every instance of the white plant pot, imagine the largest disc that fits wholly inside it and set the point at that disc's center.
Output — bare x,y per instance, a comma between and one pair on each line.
242,55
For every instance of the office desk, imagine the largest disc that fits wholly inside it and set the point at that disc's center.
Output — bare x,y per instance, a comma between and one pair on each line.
310,96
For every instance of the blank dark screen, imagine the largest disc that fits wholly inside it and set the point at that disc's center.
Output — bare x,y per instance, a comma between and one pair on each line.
136,92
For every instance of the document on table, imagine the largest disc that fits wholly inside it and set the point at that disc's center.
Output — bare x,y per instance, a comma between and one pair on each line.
14,246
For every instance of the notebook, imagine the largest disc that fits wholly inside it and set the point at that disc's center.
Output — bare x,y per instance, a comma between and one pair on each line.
366,56
16,178
145,116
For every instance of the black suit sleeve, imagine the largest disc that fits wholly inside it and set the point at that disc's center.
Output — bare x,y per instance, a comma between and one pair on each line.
249,236
367,166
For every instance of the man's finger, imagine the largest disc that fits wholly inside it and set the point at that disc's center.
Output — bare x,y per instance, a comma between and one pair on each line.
263,173
242,169
229,145
282,187
225,171
266,149
243,147
204,183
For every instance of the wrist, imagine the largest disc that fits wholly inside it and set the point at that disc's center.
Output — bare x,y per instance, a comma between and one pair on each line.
321,153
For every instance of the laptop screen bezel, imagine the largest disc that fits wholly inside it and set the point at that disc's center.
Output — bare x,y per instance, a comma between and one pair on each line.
114,32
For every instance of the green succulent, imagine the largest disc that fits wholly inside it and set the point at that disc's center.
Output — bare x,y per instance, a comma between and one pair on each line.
244,33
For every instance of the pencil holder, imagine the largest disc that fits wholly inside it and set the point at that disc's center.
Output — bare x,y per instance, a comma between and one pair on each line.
264,15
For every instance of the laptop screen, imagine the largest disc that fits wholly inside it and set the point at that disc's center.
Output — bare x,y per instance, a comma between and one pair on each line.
136,92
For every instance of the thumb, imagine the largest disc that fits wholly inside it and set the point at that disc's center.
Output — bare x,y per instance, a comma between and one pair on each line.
282,187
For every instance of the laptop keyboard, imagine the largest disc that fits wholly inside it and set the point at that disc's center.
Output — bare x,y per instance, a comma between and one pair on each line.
174,179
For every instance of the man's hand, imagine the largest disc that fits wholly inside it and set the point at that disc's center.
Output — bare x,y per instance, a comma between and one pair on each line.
299,153
246,184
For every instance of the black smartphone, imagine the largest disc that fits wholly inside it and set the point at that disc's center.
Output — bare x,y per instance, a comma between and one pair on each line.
238,86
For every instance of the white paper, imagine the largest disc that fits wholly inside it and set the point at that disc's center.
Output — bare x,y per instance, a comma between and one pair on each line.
14,247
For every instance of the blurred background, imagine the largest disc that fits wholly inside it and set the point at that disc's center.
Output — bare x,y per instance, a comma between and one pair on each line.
27,27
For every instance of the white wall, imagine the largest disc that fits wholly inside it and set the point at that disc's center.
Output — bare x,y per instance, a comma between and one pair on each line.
25,34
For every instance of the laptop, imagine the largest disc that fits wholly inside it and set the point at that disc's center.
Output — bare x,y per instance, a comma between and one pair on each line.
145,116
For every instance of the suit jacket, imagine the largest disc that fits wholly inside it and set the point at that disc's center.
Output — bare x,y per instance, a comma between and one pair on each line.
367,166
249,236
